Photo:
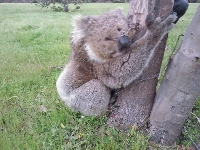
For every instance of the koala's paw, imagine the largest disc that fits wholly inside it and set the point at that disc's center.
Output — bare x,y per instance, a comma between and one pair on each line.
168,23
164,26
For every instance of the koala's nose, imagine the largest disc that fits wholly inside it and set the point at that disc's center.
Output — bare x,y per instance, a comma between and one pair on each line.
124,42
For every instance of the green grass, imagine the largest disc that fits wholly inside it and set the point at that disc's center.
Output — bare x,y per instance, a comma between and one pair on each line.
32,40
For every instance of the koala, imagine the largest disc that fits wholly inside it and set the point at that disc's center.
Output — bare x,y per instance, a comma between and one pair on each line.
103,60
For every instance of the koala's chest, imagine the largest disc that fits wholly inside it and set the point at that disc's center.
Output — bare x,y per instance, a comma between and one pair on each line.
105,70
110,74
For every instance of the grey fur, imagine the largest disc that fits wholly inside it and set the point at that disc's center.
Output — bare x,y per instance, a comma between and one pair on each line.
97,66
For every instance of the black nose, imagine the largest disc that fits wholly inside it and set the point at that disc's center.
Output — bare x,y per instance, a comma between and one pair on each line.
124,42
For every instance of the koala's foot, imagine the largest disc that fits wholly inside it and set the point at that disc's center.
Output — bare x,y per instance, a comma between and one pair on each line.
90,99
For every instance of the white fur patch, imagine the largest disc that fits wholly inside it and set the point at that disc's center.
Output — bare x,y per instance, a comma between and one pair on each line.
120,8
92,54
77,35
77,32
63,89
117,54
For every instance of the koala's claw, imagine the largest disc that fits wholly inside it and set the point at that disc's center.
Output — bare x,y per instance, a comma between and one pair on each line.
174,13
171,18
158,20
175,16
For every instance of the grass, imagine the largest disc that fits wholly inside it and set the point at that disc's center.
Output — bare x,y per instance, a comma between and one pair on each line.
32,40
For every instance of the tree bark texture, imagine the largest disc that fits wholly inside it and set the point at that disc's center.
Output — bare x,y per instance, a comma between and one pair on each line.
134,103
179,89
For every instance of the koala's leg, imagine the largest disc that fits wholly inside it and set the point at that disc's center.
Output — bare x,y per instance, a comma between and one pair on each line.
90,98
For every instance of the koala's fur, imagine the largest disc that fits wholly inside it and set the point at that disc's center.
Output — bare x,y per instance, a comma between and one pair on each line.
97,64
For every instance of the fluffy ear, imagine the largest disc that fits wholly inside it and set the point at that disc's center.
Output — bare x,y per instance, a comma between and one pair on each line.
80,22
81,26
120,9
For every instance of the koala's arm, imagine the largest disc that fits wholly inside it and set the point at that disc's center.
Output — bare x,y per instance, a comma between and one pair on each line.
129,68
81,93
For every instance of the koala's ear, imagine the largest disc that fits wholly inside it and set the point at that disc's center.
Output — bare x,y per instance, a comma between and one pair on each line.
83,22
120,9
81,26
80,22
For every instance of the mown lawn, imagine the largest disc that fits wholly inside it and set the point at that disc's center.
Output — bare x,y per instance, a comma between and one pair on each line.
33,42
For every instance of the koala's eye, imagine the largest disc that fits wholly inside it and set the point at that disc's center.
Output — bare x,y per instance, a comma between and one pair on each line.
108,38
119,29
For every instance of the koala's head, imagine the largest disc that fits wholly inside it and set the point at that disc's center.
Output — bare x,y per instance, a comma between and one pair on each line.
105,36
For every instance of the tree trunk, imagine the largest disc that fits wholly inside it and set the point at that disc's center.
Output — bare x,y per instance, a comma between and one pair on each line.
134,103
179,89
66,8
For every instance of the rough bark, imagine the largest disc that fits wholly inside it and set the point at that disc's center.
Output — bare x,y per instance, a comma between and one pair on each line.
134,103
179,89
